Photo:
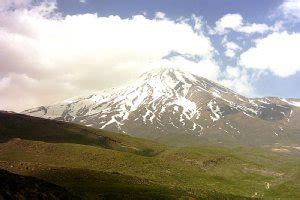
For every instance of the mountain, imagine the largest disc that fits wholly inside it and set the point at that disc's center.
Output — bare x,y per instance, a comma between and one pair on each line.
180,108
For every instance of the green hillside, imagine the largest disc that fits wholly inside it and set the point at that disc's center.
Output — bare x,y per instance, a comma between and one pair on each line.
14,125
14,186
143,169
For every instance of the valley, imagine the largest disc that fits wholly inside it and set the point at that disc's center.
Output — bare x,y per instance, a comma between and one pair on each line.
124,167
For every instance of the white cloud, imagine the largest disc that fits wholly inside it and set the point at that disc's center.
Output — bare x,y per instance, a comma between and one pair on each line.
160,15
46,57
231,48
232,72
277,53
144,13
206,68
22,91
235,22
7,4
291,9
4,83
227,22
82,1
255,28
198,23
238,79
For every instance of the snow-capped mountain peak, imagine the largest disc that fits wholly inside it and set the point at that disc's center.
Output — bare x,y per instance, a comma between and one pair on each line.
166,101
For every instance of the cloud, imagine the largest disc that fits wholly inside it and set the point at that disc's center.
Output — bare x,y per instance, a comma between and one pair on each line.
232,72
205,68
22,91
277,53
198,23
229,21
291,10
82,1
231,48
235,22
46,57
8,4
4,83
238,79
160,15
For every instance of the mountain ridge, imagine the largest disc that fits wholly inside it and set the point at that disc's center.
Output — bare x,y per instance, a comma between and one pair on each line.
170,101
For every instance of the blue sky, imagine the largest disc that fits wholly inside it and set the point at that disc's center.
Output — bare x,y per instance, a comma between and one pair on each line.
58,49
212,10
253,11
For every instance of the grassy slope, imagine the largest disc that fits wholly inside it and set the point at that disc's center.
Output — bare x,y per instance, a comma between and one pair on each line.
14,186
31,128
92,171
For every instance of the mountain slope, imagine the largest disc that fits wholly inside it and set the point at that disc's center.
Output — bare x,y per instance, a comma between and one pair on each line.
97,172
20,126
165,103
13,186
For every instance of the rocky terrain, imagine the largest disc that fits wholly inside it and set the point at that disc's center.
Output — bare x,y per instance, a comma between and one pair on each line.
165,103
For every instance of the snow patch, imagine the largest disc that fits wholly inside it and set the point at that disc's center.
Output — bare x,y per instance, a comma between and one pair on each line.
293,103
214,109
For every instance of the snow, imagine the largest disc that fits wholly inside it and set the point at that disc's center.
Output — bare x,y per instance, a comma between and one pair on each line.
189,107
38,112
232,127
174,124
150,114
240,98
291,112
214,109
248,115
111,121
253,102
181,119
262,101
151,96
194,126
176,108
139,99
215,94
293,103
55,111
247,109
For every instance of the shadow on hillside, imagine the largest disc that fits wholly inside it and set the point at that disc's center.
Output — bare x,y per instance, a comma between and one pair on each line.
14,186
90,184
20,126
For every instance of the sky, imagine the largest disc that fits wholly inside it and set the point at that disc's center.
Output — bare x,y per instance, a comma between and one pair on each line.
51,50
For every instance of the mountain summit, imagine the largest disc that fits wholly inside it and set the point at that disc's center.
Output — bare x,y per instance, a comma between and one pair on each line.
180,108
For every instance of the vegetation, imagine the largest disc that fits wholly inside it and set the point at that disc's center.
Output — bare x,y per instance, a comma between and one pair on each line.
13,186
148,170
32,128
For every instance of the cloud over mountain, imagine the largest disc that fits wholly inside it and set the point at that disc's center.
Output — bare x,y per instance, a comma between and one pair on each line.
47,55
74,53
